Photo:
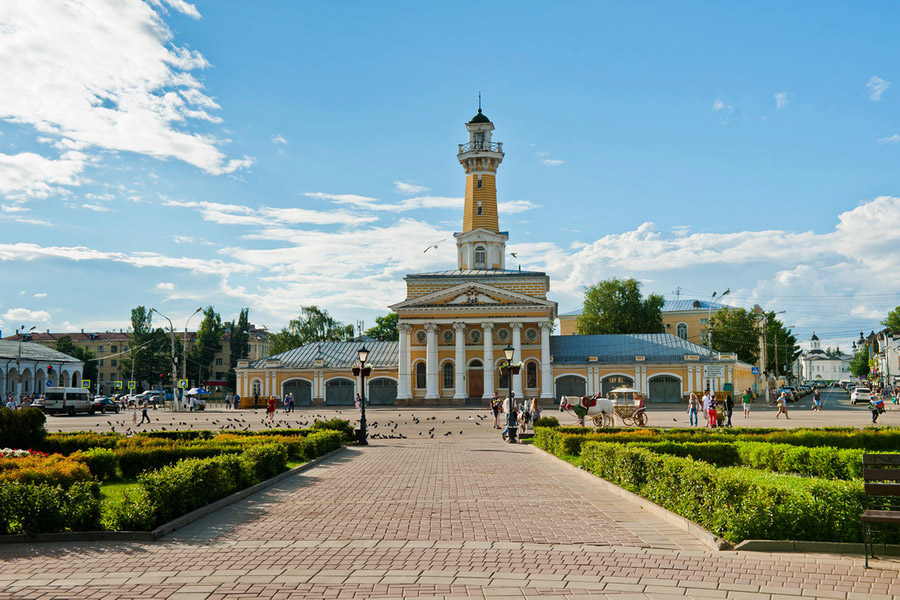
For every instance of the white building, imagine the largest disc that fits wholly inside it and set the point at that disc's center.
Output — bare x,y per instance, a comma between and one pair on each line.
815,365
29,368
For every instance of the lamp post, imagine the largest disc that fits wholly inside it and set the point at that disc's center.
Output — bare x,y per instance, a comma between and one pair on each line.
511,425
24,332
709,318
184,346
363,354
174,364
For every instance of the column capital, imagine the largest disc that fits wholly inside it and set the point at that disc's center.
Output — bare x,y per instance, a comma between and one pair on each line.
459,326
487,326
515,326
545,325
431,327
404,327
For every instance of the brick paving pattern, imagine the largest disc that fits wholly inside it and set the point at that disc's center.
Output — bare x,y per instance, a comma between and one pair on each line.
459,516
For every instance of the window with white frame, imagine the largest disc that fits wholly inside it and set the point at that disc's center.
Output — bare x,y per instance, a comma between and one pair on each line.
480,257
448,375
681,331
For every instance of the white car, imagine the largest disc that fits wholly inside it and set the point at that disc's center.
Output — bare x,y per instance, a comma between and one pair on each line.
68,401
860,394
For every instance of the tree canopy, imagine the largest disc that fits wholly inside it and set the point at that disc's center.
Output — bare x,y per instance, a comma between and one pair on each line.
65,345
149,351
859,365
240,344
892,321
616,306
385,328
738,330
207,344
313,325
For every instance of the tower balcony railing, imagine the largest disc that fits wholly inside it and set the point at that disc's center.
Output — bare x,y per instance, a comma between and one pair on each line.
481,147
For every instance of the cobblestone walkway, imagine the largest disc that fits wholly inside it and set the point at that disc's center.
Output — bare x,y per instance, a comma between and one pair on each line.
423,518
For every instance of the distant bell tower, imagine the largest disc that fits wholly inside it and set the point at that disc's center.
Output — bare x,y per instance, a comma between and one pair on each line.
481,245
814,342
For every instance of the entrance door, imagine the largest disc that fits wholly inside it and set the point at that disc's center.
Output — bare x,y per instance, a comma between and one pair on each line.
665,388
616,381
339,392
476,379
570,385
382,391
302,391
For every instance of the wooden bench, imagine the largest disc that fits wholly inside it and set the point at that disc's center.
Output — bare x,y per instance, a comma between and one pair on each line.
881,480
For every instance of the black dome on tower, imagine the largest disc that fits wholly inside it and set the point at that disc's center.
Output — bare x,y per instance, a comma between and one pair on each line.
480,118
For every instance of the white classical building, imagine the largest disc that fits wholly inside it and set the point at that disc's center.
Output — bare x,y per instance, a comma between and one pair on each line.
29,368
815,365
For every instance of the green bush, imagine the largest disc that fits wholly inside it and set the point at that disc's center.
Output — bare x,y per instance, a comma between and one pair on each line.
22,429
102,462
67,443
135,460
43,508
734,503
266,460
825,462
546,422
341,425
199,434
720,454
54,469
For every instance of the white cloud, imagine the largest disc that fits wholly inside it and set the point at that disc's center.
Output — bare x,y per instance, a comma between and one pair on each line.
552,162
405,187
129,88
40,295
375,204
515,206
97,207
890,140
278,139
26,317
165,286
719,105
237,214
876,86
781,100
194,241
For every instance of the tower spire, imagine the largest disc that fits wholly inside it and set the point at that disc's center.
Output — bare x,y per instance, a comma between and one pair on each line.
479,100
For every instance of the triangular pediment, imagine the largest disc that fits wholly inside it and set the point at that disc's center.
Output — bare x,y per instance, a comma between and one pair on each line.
472,294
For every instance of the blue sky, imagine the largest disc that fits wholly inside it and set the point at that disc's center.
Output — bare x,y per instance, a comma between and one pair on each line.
276,154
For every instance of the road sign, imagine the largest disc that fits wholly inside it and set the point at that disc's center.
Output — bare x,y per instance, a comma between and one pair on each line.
118,385
130,385
755,370
713,371
50,383
86,384
182,383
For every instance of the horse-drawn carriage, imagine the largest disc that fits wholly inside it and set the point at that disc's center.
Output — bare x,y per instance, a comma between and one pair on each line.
624,402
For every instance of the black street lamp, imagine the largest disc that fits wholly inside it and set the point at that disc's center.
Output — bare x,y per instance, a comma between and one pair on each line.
361,434
511,424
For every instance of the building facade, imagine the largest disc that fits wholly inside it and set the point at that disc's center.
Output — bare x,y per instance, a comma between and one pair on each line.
27,368
816,365
454,326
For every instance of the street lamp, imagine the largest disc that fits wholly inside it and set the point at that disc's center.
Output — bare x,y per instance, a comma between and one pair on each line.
709,318
24,332
363,355
511,425
174,365
184,346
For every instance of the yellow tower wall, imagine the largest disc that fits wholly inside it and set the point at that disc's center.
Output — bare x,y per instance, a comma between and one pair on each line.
487,195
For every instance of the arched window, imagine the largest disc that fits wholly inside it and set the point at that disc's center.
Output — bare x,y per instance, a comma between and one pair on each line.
256,388
681,331
448,375
531,375
420,376
480,257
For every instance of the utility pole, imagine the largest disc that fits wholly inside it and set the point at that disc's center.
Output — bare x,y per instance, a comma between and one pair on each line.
184,345
174,364
709,318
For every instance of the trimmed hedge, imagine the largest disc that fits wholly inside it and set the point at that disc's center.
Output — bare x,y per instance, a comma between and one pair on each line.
43,508
67,443
341,425
546,422
132,461
102,462
40,469
22,429
734,503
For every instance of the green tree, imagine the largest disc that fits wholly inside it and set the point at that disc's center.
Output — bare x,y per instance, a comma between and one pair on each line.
149,351
616,306
781,347
736,330
385,328
240,345
833,352
313,325
859,365
67,346
892,321
206,346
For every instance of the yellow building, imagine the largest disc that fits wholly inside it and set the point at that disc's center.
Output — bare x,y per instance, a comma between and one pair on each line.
455,324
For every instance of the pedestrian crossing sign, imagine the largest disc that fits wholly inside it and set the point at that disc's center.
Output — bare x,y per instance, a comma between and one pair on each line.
130,385
182,383
86,384
118,385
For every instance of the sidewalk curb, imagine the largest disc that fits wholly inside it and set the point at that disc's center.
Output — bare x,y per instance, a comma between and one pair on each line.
707,537
803,547
165,528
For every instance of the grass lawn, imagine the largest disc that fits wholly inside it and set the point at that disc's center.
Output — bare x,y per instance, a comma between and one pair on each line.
113,492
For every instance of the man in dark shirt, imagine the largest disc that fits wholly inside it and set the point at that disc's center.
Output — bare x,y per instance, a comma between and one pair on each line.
729,408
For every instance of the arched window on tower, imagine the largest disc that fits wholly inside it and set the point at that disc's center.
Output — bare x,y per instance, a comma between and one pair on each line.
479,209
681,331
420,376
480,257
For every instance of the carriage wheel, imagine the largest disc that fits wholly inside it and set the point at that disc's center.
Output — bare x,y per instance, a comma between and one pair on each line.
641,419
597,420
627,421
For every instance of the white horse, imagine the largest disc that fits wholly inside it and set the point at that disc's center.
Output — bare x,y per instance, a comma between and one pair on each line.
587,406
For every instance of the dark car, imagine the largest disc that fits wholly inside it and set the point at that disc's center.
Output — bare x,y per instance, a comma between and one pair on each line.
105,405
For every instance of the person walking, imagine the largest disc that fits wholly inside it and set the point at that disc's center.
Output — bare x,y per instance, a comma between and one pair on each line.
535,409
693,406
358,401
237,401
817,401
782,406
713,413
144,415
495,410
729,409
291,396
229,399
873,406
270,409
747,399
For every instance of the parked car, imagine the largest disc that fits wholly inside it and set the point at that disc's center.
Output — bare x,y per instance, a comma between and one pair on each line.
104,404
68,401
789,394
860,394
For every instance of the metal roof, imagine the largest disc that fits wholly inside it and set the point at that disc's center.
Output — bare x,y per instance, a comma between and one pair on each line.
654,347
479,273
670,306
338,355
9,350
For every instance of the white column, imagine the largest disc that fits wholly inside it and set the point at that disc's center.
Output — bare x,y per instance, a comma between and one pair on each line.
489,387
546,366
431,363
517,346
589,388
470,260
403,383
460,372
